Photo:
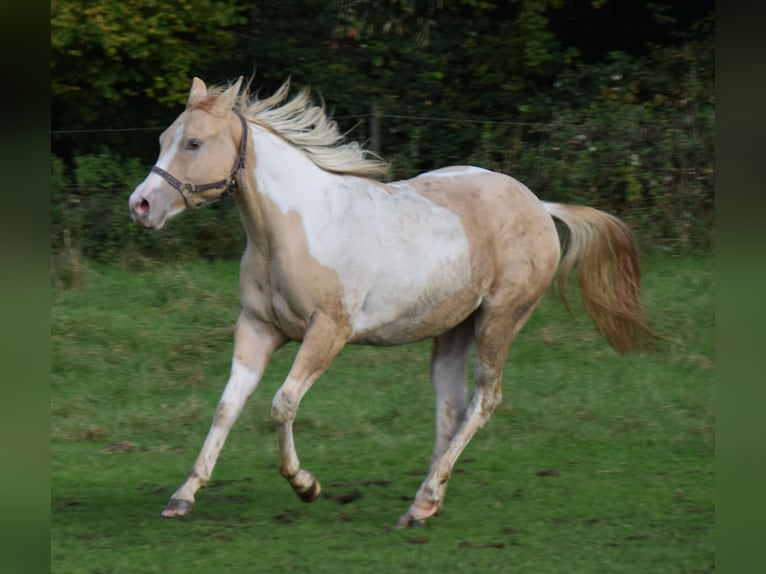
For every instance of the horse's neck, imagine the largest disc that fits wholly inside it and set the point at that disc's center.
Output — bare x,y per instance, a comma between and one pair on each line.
284,184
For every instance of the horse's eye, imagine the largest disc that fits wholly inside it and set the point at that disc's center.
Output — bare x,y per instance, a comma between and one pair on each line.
193,144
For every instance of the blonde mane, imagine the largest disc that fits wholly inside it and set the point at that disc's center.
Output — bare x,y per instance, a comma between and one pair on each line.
308,127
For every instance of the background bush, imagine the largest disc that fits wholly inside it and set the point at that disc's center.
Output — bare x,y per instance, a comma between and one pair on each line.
624,124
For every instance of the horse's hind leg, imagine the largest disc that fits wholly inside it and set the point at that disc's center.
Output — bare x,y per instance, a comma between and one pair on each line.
495,330
448,369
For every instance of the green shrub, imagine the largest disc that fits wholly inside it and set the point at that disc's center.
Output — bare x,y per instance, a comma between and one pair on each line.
90,216
632,136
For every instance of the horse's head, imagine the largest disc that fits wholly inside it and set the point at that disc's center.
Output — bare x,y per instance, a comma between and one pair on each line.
200,155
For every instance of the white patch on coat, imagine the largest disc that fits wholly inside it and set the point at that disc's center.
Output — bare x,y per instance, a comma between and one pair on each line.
392,248
242,383
166,158
153,182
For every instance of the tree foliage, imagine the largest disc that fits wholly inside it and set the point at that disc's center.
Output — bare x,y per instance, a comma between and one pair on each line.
605,103
110,55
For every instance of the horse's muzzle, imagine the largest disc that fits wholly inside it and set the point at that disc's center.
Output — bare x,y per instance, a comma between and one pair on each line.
144,212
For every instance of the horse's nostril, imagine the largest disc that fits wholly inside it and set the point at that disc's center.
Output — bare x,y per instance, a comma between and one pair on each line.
142,207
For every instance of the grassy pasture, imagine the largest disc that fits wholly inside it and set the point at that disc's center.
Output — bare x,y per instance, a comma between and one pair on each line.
594,462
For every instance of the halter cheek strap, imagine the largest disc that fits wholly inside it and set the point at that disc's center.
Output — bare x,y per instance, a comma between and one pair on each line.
187,190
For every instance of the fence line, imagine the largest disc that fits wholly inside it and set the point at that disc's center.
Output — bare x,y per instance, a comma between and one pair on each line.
103,130
349,117
466,120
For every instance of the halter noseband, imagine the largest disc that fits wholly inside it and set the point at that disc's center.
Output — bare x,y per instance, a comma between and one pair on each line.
187,190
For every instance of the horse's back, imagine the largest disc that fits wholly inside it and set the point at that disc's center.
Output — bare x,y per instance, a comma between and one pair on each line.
492,195
497,211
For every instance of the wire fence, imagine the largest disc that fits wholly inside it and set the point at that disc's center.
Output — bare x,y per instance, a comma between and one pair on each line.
446,120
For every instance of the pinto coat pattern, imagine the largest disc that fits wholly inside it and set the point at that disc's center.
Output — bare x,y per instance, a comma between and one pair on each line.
335,256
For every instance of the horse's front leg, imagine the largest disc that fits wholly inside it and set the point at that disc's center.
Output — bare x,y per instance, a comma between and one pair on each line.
254,343
321,344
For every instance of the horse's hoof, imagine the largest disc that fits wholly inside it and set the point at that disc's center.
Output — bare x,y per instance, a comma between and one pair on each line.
177,507
305,485
311,493
417,514
406,520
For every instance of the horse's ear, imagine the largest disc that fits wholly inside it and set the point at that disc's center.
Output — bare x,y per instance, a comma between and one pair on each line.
198,90
225,102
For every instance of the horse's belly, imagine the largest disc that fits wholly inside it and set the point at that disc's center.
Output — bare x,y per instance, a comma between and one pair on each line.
413,318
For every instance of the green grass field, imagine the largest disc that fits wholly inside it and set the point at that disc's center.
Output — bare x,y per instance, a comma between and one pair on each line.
594,462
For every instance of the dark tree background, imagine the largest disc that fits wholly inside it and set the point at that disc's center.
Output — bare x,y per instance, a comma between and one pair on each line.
604,102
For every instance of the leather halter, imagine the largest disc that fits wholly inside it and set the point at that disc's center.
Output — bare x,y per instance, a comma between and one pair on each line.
187,190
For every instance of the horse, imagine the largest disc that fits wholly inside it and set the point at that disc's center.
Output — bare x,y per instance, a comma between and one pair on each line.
335,256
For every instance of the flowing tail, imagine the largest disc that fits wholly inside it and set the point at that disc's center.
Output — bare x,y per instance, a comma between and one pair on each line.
608,272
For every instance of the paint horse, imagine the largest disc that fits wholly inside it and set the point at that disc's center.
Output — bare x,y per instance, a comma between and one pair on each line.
335,256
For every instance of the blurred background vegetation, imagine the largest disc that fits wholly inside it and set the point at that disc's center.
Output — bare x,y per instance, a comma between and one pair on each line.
608,103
